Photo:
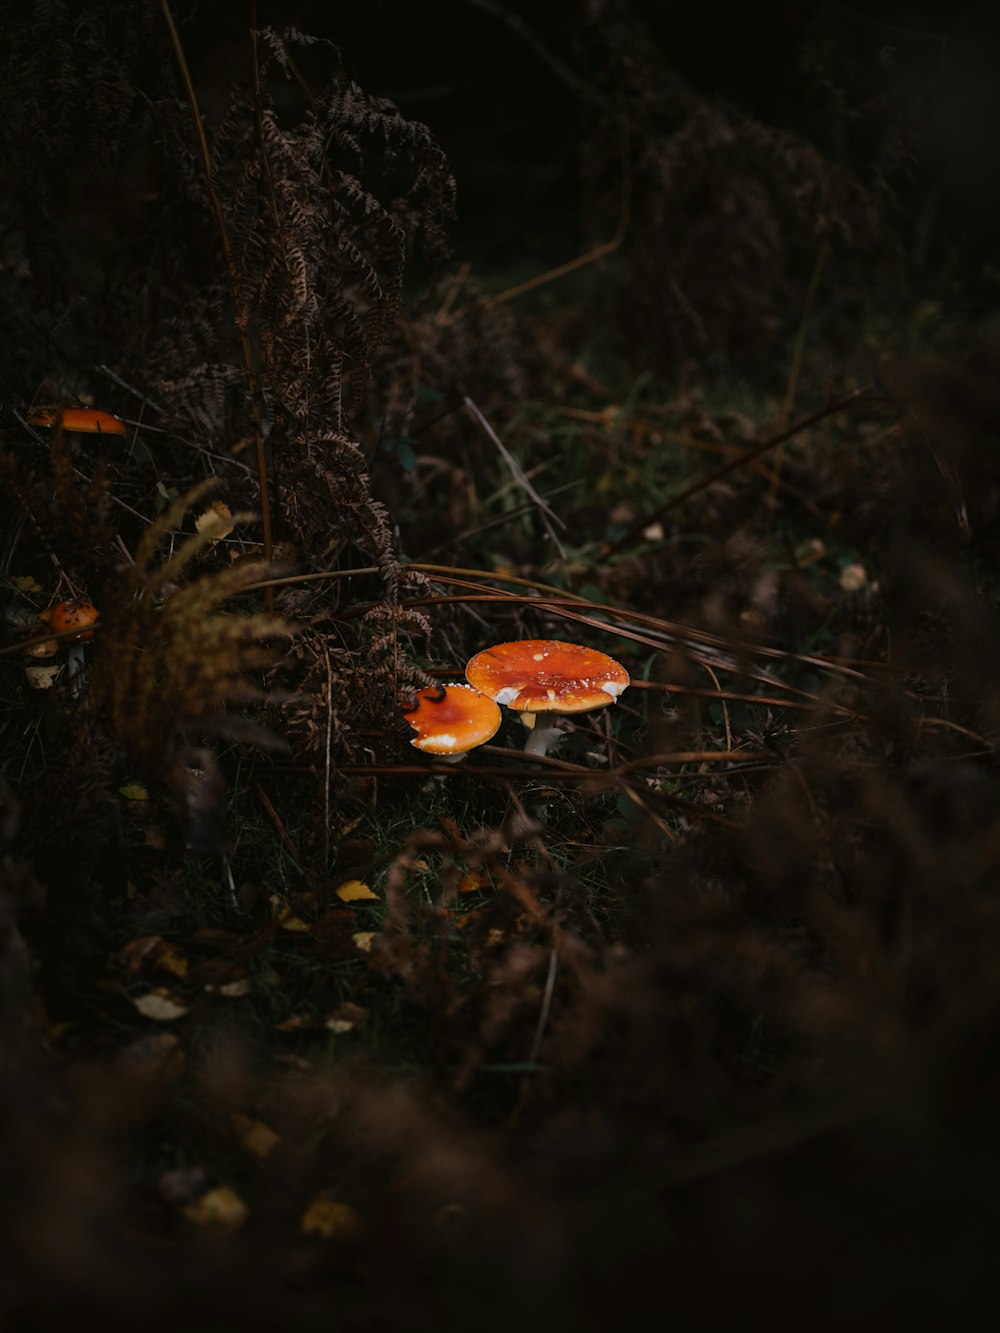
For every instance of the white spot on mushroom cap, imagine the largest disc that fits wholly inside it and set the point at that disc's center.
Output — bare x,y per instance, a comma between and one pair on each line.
612,687
507,695
445,742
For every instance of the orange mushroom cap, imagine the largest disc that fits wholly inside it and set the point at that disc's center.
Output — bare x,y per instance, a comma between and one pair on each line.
73,614
547,676
89,420
452,723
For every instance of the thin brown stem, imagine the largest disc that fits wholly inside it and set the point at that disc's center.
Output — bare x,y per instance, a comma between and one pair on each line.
245,347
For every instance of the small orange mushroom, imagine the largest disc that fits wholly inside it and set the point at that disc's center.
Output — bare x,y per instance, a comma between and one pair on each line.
543,678
450,720
78,614
74,613
87,420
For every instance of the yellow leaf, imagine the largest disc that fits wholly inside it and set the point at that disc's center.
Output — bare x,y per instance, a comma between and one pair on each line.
134,791
259,1139
221,1206
294,923
216,522
158,1005
26,583
329,1219
47,648
473,882
353,890
363,940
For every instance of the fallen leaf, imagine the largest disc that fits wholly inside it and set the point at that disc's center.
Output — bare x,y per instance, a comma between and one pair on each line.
136,950
329,1219
231,990
294,1023
346,1017
363,940
216,522
473,882
354,890
25,583
290,922
45,648
259,1139
220,1206
134,791
167,959
42,677
158,1005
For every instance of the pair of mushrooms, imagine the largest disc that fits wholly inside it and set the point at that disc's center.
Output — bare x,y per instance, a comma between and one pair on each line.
540,679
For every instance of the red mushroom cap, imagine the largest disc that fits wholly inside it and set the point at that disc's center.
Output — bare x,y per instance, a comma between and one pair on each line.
454,722
547,676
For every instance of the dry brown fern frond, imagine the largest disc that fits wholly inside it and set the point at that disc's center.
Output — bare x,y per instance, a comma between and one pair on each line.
169,660
317,257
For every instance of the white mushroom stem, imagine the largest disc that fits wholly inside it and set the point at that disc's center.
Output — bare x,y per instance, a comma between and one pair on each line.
74,668
543,733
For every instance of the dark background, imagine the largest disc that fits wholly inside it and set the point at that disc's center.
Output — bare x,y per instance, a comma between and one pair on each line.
512,127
